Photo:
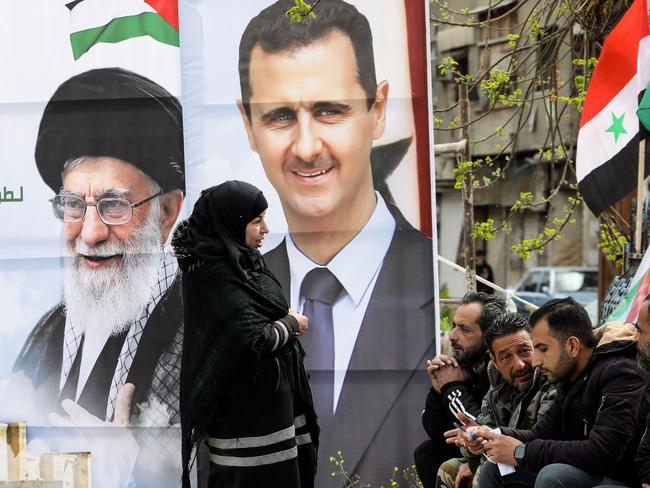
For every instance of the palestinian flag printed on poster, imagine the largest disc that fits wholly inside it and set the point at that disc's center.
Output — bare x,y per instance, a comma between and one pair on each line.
608,139
628,308
95,21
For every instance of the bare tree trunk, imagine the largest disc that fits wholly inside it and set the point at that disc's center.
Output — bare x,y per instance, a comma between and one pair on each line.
468,193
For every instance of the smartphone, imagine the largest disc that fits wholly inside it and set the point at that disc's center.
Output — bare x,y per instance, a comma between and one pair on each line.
472,437
462,427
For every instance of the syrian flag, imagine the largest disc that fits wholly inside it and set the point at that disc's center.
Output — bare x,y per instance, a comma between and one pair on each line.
608,140
628,308
95,21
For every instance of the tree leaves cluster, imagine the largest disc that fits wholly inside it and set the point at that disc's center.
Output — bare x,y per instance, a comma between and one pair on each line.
552,48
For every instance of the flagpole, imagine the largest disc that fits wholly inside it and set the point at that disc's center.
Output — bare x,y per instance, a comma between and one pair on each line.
640,198
640,186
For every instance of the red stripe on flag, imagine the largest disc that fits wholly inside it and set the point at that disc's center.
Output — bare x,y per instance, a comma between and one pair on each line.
417,43
642,292
167,9
617,63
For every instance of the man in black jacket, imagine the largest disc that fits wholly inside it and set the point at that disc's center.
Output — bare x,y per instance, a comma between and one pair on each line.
588,435
458,383
642,327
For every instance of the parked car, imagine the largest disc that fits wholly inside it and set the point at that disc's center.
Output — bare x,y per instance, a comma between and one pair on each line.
542,284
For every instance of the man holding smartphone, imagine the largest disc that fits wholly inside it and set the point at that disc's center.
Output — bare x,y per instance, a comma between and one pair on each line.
518,397
590,434
458,382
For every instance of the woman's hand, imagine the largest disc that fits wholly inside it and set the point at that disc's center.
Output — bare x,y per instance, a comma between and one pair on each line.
302,320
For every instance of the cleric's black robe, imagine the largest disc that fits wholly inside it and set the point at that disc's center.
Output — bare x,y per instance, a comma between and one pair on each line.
154,371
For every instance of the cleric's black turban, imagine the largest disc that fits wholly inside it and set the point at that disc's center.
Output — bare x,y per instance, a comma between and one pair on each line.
115,113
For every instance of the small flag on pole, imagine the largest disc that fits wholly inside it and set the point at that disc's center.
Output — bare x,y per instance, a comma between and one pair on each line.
608,140
95,21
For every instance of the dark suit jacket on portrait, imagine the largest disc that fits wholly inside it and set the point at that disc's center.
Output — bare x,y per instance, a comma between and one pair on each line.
154,370
378,415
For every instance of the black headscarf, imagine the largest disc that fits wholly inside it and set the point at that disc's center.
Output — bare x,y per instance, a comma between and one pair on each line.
229,296
217,227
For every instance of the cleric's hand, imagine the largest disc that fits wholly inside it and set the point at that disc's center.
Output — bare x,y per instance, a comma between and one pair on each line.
114,457
80,417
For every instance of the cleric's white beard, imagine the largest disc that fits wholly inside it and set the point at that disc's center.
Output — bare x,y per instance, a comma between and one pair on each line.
113,298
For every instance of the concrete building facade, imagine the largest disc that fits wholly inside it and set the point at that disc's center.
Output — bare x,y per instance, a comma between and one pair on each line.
476,48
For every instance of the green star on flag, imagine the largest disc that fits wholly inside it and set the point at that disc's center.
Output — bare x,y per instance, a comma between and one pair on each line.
606,166
617,126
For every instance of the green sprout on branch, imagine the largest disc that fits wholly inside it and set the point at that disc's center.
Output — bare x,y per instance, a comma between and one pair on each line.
612,242
301,11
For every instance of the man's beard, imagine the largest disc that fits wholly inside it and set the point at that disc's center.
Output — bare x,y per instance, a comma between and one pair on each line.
471,356
112,298
526,370
565,366
644,356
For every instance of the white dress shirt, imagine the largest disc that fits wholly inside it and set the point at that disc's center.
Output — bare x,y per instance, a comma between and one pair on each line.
357,267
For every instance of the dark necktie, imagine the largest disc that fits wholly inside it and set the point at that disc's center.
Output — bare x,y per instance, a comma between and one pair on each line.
320,289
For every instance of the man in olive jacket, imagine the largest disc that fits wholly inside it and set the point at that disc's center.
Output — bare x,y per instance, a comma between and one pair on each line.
588,436
518,397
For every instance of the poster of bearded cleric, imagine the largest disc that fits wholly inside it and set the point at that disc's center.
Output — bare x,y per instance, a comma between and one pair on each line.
115,115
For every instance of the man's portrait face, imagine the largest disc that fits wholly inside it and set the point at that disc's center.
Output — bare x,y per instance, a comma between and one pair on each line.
311,126
101,177
513,356
550,355
112,267
466,336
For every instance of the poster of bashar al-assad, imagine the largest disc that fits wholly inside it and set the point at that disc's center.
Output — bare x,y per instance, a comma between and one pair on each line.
93,172
329,117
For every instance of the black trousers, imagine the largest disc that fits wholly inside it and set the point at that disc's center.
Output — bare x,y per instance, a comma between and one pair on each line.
428,457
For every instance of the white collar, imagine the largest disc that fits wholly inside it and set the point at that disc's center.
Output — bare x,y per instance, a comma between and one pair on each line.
357,263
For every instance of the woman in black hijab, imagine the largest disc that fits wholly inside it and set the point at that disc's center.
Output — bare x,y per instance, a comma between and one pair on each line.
243,383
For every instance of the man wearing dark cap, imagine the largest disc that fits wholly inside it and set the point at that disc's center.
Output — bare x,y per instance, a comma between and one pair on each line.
110,145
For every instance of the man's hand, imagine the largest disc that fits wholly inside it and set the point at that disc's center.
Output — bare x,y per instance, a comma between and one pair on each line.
645,485
464,477
477,445
80,417
444,369
302,320
113,461
457,436
449,374
500,448
434,381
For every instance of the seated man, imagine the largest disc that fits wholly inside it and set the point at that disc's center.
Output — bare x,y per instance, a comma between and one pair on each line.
458,383
587,436
518,397
642,337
